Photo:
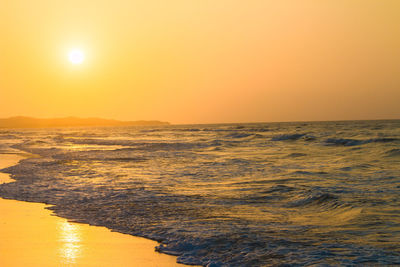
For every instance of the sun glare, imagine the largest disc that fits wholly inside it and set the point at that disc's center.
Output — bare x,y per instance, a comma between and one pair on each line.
76,56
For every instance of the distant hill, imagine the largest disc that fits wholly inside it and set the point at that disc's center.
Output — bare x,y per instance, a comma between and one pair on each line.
28,122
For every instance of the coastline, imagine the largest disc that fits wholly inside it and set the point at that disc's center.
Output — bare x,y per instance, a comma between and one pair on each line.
33,236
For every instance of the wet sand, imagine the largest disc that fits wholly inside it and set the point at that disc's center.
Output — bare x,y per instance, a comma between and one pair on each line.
31,236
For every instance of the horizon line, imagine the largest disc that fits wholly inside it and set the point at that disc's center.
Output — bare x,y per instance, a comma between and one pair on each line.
201,123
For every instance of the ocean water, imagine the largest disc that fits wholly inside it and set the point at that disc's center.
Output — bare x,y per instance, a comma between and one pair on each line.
312,193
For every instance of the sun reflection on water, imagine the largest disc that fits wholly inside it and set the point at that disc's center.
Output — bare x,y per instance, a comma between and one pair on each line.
70,237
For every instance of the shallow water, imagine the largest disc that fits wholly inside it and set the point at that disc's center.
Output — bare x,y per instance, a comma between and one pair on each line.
323,193
31,236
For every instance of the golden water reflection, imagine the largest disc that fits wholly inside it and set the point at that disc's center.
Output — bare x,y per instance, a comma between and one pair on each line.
70,237
30,236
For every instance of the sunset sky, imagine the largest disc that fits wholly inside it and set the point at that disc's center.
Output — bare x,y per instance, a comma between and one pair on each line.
201,61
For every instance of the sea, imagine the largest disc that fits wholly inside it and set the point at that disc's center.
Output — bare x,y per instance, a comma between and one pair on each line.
257,194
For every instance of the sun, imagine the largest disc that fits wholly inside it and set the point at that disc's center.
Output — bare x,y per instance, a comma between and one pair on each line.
76,56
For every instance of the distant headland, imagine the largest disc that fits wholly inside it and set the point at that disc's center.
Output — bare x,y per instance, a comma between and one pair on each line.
29,122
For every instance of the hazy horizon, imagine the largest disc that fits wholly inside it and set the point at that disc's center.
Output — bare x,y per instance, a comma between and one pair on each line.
197,62
172,123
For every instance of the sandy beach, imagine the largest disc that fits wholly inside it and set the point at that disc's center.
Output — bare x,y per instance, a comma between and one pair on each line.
31,236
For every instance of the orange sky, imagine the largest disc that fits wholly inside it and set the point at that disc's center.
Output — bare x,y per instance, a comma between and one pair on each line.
201,61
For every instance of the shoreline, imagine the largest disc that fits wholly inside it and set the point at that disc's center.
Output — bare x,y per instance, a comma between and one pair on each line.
34,235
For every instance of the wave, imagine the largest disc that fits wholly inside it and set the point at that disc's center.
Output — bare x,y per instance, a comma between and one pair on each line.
242,135
102,142
343,142
357,142
8,136
284,137
309,172
278,189
314,199
99,156
238,135
260,129
384,140
393,152
296,155
139,145
35,143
